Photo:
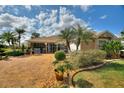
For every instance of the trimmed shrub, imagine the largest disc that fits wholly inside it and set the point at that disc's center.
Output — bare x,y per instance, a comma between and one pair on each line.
88,58
60,55
2,52
15,53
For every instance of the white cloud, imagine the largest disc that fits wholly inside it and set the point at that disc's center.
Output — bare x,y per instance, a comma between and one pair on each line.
103,17
7,20
47,19
42,16
67,19
85,8
51,19
10,22
16,11
49,22
50,25
2,7
28,7
12,9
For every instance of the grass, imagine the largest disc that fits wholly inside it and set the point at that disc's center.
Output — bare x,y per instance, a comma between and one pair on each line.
109,76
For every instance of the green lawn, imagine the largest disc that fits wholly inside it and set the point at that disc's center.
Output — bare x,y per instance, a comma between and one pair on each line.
109,76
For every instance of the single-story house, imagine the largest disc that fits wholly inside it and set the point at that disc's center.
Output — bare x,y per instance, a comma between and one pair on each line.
54,43
47,44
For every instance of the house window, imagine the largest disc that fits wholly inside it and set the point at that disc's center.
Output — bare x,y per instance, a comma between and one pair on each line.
101,43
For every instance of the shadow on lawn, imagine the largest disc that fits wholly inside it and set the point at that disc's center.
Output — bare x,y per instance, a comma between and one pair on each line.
111,66
81,83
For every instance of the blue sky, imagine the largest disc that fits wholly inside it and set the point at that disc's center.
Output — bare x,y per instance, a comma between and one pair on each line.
48,20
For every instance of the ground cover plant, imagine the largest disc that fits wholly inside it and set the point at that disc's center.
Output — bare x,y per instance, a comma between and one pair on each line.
109,76
15,53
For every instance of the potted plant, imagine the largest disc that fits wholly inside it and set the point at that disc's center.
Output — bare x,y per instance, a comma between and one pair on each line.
58,64
59,72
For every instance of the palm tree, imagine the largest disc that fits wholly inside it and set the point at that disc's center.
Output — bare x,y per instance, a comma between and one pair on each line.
122,34
35,35
67,34
82,34
20,32
7,37
14,41
1,40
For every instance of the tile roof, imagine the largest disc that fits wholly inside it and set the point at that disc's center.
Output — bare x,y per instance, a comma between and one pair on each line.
50,39
57,39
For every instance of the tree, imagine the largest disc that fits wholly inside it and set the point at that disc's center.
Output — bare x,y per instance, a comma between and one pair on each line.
8,37
82,34
1,40
14,41
67,35
122,34
35,35
20,32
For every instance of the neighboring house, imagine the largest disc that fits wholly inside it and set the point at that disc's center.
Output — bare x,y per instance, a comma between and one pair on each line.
54,43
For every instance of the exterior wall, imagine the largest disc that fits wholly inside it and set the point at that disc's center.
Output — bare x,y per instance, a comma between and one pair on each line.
90,45
29,44
46,47
73,47
97,42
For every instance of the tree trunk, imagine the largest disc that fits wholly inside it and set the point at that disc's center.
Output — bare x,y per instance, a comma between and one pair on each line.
9,43
68,45
68,77
13,46
19,40
19,43
78,43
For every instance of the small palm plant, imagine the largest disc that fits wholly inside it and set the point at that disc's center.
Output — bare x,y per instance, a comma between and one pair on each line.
67,66
113,48
58,63
59,71
62,66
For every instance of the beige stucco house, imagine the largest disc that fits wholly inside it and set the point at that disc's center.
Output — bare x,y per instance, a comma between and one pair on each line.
99,39
47,44
54,43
